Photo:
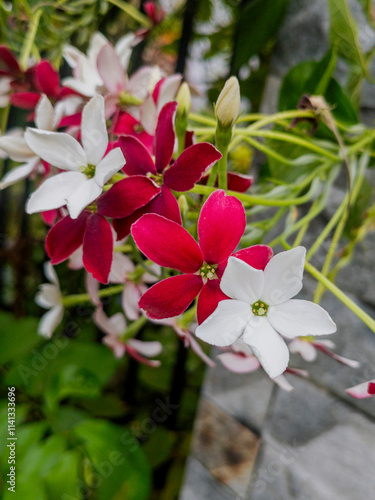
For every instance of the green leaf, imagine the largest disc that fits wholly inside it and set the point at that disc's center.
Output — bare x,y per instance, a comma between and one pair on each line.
118,467
61,480
258,24
18,336
158,446
344,34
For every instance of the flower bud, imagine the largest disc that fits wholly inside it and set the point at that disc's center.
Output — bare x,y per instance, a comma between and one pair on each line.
184,100
227,106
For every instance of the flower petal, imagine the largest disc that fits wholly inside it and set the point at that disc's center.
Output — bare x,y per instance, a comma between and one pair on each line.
209,299
226,324
115,325
296,318
171,297
138,159
283,276
267,345
108,166
94,130
165,136
54,191
65,237
165,204
17,174
304,348
126,196
256,256
238,363
189,167
122,226
81,197
44,114
110,69
47,79
129,300
149,349
167,243
57,148
25,100
167,90
121,266
50,320
239,182
48,296
241,281
221,224
98,247
361,391
16,147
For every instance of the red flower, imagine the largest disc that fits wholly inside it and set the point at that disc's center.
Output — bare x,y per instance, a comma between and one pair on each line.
46,81
93,231
221,224
180,176
9,67
128,125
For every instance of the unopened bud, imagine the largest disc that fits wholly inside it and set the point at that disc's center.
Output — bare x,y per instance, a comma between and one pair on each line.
227,106
184,100
183,204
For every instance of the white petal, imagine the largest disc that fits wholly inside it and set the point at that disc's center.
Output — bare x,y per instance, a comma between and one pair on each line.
72,55
48,296
121,265
138,83
97,42
116,325
16,147
76,259
123,49
241,281
92,287
361,391
129,299
296,318
238,363
283,383
283,276
50,273
44,114
85,88
149,115
168,90
86,193
17,174
267,345
226,324
50,321
148,349
54,191
118,347
57,148
195,346
110,69
305,349
110,164
94,130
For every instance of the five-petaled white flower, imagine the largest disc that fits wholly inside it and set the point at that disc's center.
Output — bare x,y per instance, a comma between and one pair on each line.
263,308
88,168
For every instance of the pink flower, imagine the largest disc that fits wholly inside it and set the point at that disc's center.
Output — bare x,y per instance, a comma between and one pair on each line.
115,329
182,175
308,349
93,231
221,224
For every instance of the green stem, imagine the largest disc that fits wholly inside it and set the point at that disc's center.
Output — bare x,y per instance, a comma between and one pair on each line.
358,311
4,119
74,300
280,116
134,328
202,119
132,12
268,151
258,200
223,137
29,40
123,248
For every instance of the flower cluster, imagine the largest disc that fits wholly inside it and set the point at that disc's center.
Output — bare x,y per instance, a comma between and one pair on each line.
116,173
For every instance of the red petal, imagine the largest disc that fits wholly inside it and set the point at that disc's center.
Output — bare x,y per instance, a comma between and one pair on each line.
47,79
9,59
189,139
25,100
238,182
65,237
165,204
49,216
138,159
167,243
171,297
208,299
98,247
126,196
190,166
221,224
371,388
123,226
165,136
256,256
71,120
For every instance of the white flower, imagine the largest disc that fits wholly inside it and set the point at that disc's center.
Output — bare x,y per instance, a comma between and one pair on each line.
49,297
263,308
88,168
